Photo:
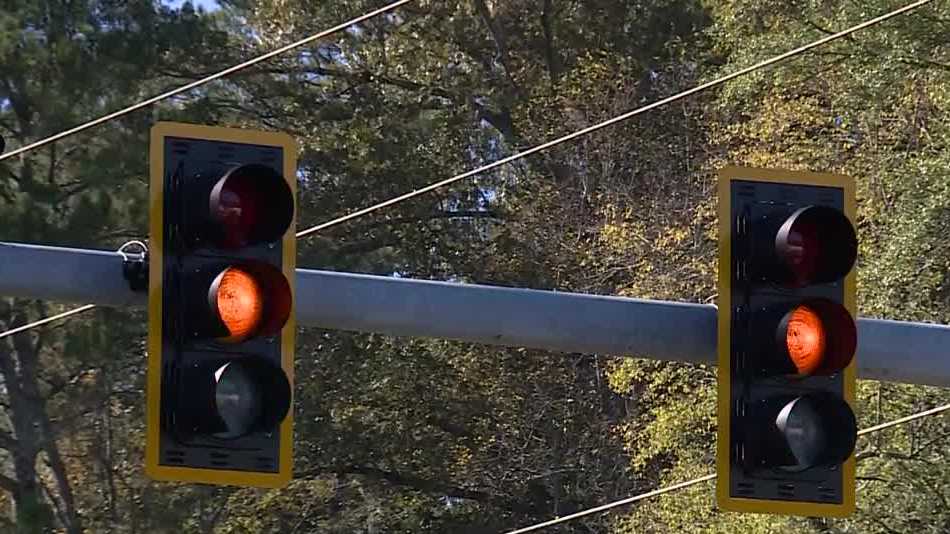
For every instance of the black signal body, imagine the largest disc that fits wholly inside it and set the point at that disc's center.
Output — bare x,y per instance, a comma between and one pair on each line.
786,425
225,299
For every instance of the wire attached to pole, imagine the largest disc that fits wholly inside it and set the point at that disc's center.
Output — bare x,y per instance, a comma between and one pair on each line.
682,485
135,266
46,320
590,129
509,159
202,81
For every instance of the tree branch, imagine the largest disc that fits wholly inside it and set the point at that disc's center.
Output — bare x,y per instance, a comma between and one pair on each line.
475,214
426,486
388,240
7,441
371,245
8,370
8,484
71,518
873,479
499,39
51,171
922,63
549,54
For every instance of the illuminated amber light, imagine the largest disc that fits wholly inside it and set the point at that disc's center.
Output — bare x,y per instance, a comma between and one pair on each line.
806,340
240,304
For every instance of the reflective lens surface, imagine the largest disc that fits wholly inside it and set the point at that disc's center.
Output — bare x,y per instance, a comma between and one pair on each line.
817,429
231,397
238,400
805,436
240,303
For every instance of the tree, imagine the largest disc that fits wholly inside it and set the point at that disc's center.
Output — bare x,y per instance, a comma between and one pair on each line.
62,63
399,435
859,107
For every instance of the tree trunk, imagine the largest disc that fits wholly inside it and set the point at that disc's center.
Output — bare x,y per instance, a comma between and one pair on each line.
31,514
33,432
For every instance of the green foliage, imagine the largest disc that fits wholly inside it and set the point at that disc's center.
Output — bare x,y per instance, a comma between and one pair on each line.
409,435
860,108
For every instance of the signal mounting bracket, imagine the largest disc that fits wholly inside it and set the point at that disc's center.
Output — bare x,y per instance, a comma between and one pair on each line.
135,266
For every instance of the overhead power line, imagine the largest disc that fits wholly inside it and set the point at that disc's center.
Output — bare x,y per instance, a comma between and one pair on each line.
695,481
50,319
609,506
163,96
590,129
509,159
202,81
902,420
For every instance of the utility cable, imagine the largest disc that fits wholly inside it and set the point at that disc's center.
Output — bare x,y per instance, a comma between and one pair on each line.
202,81
608,506
75,311
681,485
50,319
163,96
509,159
590,129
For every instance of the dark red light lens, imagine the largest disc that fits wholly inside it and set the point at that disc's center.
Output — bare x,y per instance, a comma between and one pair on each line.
815,245
238,210
249,205
804,251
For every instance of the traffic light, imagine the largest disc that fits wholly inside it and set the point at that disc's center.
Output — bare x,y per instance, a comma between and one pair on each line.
787,340
221,327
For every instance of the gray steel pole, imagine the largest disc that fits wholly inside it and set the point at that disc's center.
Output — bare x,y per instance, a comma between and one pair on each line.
894,351
552,320
65,274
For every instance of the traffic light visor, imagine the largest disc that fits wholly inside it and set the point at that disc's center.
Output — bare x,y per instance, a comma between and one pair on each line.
251,204
232,397
250,395
819,337
815,245
817,429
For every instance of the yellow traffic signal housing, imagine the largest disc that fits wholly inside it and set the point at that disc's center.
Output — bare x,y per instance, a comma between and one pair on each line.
787,340
221,312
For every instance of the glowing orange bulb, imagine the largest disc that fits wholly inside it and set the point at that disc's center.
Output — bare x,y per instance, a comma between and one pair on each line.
806,340
240,304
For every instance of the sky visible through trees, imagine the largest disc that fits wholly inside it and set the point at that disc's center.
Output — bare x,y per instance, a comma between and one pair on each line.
426,436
